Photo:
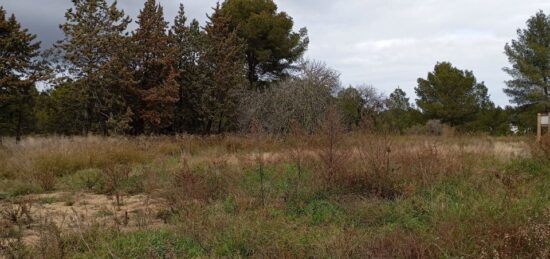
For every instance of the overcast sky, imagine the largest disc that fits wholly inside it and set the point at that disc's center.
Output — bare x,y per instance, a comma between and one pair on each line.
384,43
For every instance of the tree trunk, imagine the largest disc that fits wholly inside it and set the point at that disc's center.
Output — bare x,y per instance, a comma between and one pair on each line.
18,127
252,77
220,123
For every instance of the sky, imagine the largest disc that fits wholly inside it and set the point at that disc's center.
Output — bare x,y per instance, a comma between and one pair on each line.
383,43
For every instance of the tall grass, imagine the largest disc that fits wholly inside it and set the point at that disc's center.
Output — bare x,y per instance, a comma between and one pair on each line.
329,195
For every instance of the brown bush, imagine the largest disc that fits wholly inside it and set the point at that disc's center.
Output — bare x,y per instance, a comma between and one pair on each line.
115,175
377,168
189,187
333,158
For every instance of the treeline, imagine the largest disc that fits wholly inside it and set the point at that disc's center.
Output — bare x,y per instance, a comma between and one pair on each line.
244,65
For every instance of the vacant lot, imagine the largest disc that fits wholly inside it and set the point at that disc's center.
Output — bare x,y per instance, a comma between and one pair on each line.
355,195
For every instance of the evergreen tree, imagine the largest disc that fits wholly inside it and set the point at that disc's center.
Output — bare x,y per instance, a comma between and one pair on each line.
154,94
451,95
225,58
189,43
271,46
529,56
351,104
19,69
398,100
93,57
399,114
59,110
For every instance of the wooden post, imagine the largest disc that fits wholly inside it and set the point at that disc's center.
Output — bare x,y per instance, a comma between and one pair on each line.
539,127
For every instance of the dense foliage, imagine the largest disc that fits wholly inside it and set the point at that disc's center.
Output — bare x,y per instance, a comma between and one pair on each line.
245,64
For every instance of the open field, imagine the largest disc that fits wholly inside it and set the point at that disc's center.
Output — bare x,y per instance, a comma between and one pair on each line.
352,195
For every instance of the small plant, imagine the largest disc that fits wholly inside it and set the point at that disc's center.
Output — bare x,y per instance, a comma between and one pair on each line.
333,159
46,179
257,133
17,212
377,168
115,176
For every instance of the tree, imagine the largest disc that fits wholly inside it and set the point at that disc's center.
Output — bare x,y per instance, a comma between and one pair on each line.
351,104
272,46
19,69
398,100
529,56
190,45
451,95
302,99
399,115
93,56
225,58
59,110
154,94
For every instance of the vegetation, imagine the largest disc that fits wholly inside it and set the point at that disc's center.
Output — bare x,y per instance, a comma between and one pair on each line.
221,141
451,95
326,195
244,64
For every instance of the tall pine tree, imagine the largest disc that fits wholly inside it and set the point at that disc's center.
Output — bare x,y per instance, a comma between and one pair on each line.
226,62
19,69
154,94
529,56
190,44
93,57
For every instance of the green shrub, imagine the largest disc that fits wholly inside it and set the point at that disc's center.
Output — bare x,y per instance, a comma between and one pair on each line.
88,179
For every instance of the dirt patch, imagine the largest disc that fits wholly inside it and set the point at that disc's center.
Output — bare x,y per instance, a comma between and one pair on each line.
74,211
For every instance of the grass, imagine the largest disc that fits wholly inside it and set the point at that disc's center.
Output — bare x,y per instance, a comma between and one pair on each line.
379,196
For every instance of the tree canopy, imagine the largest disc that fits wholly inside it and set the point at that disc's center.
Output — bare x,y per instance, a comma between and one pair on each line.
451,95
529,56
18,72
272,47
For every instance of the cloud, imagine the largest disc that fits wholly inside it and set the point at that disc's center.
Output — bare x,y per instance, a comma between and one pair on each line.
385,43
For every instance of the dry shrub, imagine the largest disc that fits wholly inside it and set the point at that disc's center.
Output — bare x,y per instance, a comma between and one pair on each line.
529,240
371,168
428,163
115,175
14,248
50,243
17,212
541,150
333,157
45,179
190,187
385,168
377,169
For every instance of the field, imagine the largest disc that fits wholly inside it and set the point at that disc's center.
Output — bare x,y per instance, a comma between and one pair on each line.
334,195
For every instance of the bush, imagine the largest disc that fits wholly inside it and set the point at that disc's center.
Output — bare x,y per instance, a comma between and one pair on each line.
432,128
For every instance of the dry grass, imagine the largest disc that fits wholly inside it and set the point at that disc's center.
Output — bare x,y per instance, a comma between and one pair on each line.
332,195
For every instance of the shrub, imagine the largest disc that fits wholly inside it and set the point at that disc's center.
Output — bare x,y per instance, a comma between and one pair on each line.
333,158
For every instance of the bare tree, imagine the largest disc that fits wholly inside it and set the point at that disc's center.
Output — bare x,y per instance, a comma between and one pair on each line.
303,97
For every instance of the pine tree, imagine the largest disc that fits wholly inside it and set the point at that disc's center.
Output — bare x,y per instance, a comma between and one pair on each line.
272,47
155,90
93,57
398,100
19,69
530,59
451,95
226,60
190,45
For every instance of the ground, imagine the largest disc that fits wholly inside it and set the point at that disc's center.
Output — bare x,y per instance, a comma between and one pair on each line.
351,195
